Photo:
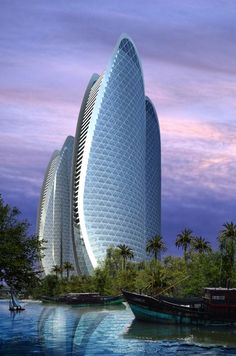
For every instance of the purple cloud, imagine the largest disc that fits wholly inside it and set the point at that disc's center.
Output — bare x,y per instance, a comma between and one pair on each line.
48,53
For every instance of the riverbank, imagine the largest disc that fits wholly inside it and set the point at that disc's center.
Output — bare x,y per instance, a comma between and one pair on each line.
173,276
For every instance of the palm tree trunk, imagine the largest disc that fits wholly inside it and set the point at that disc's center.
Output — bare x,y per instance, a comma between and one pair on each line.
185,254
221,264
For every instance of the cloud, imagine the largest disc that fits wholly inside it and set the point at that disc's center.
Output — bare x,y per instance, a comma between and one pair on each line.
198,170
202,153
48,53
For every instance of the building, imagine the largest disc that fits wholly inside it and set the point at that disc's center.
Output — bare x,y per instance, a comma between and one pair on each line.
116,164
115,186
153,172
54,209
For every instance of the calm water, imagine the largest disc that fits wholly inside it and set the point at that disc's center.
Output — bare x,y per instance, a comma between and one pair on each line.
63,330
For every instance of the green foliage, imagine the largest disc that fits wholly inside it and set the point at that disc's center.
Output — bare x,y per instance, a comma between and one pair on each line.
172,276
155,246
48,286
19,253
102,281
227,246
126,252
67,266
203,271
113,261
176,272
199,244
184,240
152,279
57,270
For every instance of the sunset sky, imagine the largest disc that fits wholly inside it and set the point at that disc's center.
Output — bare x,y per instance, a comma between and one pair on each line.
49,50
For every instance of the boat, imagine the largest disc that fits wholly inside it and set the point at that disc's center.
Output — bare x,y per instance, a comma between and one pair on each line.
216,308
14,304
85,299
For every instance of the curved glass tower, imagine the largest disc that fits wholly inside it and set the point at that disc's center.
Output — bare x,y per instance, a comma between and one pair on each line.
104,188
54,210
153,172
109,203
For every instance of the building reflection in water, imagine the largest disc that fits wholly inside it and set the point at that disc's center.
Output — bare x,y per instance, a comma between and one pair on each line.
64,331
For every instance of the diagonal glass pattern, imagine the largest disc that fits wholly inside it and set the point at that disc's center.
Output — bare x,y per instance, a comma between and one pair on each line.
153,173
104,188
114,189
54,212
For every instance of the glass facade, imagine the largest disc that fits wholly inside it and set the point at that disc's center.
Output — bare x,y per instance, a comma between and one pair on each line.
114,190
111,189
104,187
153,172
54,211
82,260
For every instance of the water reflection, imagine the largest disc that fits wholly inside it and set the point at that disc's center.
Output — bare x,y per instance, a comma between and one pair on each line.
225,336
65,330
69,330
56,331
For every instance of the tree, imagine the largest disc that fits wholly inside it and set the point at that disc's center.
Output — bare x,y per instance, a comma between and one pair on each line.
49,286
155,246
203,271
102,280
19,253
113,260
57,269
184,240
200,244
152,278
68,267
227,240
126,252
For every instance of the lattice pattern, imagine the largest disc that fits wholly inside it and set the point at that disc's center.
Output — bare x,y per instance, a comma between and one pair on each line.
54,221
153,173
114,195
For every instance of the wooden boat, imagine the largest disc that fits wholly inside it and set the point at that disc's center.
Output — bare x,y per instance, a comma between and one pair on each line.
216,307
14,304
85,299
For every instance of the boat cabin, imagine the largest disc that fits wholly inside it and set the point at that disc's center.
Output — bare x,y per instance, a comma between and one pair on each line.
220,296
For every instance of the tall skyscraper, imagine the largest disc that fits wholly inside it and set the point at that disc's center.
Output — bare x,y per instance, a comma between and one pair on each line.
115,189
112,192
153,172
54,209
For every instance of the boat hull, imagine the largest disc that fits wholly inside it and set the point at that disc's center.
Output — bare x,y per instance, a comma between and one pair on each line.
151,309
112,301
86,300
146,314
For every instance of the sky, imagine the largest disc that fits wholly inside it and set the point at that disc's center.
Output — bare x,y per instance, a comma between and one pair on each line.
48,52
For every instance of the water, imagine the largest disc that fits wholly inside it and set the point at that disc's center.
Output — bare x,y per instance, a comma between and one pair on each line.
63,330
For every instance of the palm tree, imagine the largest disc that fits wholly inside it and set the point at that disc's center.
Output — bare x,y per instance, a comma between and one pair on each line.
201,245
56,269
227,240
155,246
228,237
126,253
184,240
68,267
